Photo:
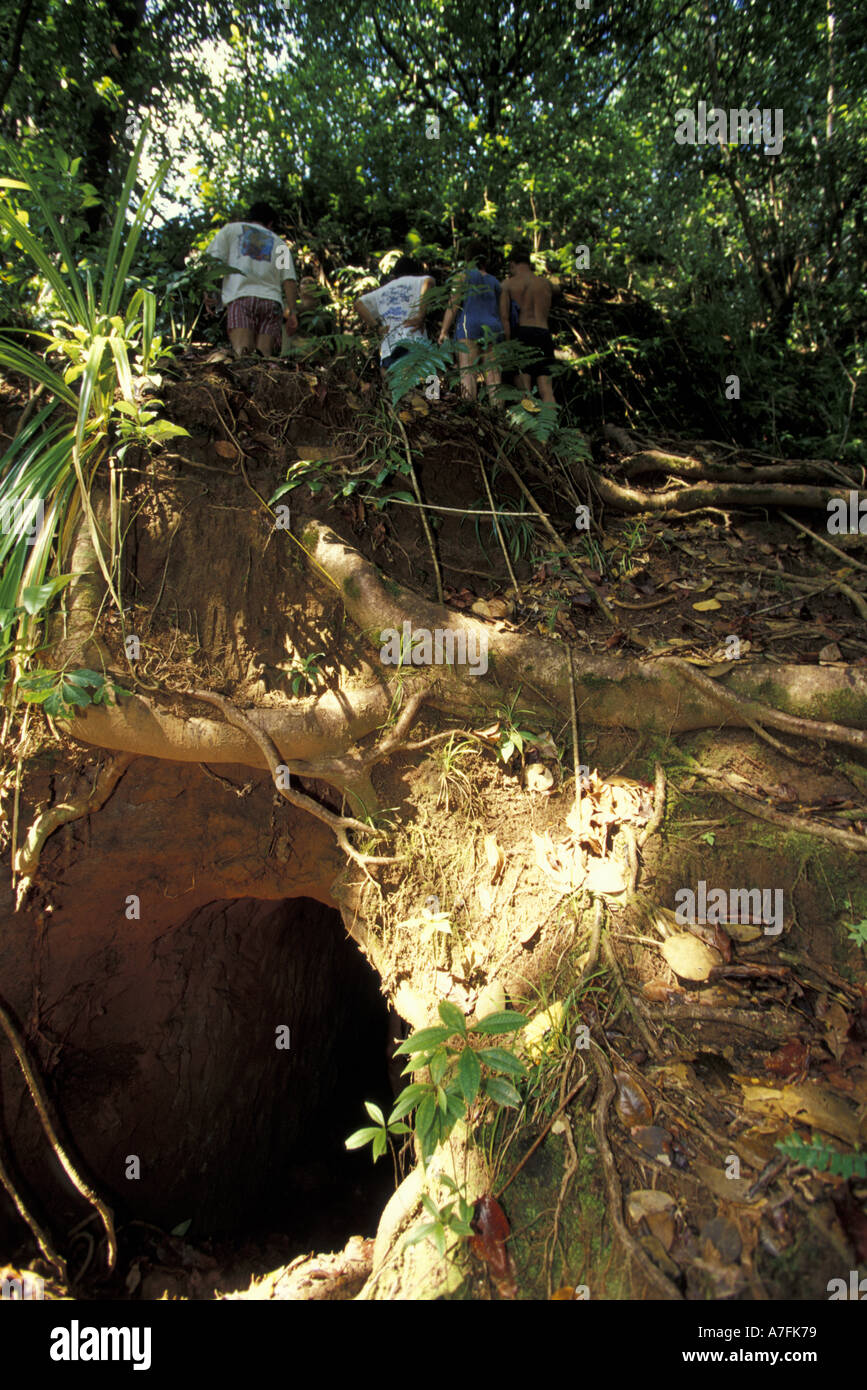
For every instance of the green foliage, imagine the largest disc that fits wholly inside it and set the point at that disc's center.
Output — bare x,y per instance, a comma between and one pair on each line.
858,933
454,1216
823,1157
511,739
460,1077
95,403
304,675
423,359
61,693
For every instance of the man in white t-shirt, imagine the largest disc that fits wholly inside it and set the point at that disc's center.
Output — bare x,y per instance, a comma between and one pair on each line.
262,282
397,308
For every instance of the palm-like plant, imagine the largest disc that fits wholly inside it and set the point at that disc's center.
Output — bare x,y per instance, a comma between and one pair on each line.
92,405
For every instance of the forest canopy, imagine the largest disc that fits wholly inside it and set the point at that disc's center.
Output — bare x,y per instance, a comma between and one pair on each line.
373,126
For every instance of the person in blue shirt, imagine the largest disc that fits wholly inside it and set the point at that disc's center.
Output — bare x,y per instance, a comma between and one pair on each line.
479,327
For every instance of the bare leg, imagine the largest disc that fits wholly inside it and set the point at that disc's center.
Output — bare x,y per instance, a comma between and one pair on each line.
522,381
241,340
468,356
493,375
546,390
265,344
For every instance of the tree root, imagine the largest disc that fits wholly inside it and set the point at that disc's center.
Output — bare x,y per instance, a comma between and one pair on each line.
665,1288
341,825
755,714
40,1102
45,824
801,825
39,1234
692,498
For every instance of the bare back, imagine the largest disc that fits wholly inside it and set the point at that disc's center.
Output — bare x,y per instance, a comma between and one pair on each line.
532,294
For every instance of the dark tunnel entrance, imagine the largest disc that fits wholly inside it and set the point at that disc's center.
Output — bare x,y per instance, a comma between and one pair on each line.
285,1041
213,1080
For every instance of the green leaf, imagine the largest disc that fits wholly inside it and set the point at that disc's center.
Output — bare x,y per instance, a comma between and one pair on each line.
425,1116
182,1227
453,1017
37,596
430,1205
374,1112
361,1137
498,1059
469,1075
438,1065
507,1021
409,1098
73,695
425,1039
380,1144
503,1092
419,1233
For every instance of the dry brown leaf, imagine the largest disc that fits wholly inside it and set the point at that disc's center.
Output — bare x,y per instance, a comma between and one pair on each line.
495,857
810,1103
690,958
538,778
606,877
645,1200
225,449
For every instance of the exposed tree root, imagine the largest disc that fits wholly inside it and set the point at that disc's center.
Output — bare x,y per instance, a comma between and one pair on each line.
40,1235
40,1102
692,498
803,825
755,714
341,825
27,858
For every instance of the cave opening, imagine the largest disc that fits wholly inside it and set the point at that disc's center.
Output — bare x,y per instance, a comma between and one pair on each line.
218,1067
287,1033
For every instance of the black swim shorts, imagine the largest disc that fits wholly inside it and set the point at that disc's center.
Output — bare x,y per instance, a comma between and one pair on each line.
541,340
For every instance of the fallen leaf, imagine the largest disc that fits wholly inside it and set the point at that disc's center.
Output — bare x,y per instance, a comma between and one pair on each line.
690,958
645,1200
225,449
606,877
633,1107
551,1021
707,606
538,778
495,857
489,1243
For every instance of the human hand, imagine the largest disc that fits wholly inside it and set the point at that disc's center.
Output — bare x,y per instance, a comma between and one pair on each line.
290,320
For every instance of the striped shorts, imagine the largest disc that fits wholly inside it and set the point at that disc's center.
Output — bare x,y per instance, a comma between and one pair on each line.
261,316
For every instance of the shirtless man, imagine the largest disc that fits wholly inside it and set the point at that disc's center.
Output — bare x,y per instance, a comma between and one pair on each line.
532,295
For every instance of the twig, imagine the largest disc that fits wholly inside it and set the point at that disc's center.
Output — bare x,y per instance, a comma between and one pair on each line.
40,1235
820,540
536,1142
800,824
27,858
339,824
424,521
572,563
500,536
615,1196
751,711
